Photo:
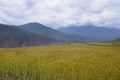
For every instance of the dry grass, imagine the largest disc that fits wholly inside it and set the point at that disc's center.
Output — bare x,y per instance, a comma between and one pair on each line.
97,61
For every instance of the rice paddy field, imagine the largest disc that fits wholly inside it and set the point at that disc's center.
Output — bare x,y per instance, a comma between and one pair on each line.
91,61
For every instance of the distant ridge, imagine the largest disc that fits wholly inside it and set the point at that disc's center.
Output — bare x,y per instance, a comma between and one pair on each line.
91,31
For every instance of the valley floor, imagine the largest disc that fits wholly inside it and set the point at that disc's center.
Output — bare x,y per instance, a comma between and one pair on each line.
93,61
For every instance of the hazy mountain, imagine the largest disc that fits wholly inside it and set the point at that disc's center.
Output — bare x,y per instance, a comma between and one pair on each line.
97,33
11,36
51,33
117,40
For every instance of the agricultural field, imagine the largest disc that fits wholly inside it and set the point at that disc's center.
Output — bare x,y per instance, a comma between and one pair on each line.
89,61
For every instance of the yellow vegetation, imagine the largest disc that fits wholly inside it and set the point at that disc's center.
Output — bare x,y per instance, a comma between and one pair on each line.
94,61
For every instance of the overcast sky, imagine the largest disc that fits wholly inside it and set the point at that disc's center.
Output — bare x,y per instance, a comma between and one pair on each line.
61,13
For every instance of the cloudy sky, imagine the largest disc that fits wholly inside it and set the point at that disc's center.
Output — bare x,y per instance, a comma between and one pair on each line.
61,13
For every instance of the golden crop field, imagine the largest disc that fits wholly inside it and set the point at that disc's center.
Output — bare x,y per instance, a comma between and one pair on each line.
93,61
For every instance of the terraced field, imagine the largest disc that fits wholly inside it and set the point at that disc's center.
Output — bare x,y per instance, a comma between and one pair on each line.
93,61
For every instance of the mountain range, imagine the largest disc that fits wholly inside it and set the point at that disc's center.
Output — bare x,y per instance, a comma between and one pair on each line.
40,29
12,36
94,32
33,34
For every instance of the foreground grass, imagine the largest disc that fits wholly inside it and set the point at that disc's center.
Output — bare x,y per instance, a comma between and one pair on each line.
98,61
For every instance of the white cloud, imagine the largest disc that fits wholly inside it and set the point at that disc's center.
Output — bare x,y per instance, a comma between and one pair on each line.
57,13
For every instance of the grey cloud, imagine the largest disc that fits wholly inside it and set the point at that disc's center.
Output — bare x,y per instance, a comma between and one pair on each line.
61,12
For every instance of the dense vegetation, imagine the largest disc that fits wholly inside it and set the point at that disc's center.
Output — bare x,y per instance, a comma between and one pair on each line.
97,61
